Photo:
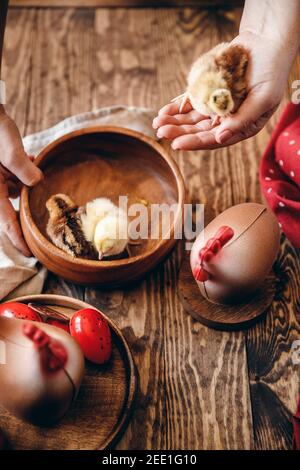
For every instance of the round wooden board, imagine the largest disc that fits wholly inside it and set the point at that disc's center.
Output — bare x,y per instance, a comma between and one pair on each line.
104,404
223,317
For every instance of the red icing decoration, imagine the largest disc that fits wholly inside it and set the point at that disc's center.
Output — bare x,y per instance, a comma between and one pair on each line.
211,248
53,354
200,274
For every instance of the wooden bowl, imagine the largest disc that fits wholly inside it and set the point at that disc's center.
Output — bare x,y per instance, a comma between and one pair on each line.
103,162
102,410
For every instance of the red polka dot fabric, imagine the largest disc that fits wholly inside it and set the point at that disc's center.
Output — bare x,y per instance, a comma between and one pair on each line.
280,173
280,183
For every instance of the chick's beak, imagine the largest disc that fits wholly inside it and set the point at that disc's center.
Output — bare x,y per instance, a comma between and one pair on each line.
100,255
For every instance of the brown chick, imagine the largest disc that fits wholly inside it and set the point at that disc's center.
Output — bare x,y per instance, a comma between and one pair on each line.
217,81
64,227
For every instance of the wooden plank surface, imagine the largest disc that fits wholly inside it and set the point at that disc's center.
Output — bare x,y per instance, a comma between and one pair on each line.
199,389
124,3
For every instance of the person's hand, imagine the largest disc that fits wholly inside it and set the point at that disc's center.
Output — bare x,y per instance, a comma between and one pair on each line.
16,168
267,76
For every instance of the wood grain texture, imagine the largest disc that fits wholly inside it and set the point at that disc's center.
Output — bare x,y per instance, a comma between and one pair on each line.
172,351
16,66
124,3
223,317
199,389
274,379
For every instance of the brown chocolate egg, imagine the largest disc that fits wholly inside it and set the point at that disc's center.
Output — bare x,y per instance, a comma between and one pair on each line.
41,368
234,254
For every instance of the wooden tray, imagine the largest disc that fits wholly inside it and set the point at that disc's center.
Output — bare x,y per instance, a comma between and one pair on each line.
223,317
104,404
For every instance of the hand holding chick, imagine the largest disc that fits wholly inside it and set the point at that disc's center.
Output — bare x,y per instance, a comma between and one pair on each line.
189,129
217,81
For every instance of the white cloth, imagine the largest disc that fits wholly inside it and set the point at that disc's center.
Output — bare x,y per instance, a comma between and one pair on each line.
24,276
138,119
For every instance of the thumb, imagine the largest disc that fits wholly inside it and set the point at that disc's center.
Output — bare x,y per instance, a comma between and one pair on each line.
248,120
13,156
10,225
25,170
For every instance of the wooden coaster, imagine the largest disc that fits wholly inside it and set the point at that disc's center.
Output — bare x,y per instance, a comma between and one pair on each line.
223,317
104,405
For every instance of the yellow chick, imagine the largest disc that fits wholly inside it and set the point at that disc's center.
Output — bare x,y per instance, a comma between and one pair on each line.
110,236
217,81
106,226
94,211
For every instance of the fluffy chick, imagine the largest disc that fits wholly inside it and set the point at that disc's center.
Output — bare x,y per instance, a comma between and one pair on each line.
110,237
217,81
106,226
93,212
64,227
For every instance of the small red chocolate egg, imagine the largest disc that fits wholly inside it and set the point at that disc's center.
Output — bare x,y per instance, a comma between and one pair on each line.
19,310
91,331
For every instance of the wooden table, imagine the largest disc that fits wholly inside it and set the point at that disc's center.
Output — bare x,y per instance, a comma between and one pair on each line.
199,389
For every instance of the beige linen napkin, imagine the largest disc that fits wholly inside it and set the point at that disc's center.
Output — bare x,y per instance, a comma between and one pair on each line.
24,276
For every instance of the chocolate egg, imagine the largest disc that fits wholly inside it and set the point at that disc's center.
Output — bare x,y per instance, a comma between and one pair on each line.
41,368
234,254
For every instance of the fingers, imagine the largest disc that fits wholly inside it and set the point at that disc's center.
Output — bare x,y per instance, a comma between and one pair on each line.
9,181
193,131
201,141
197,141
205,125
193,117
248,120
173,108
21,166
10,225
10,176
13,156
171,132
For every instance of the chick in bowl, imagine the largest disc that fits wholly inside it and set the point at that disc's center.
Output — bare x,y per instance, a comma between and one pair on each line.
97,230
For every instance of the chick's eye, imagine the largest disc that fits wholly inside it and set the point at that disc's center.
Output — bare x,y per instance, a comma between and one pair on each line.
215,99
